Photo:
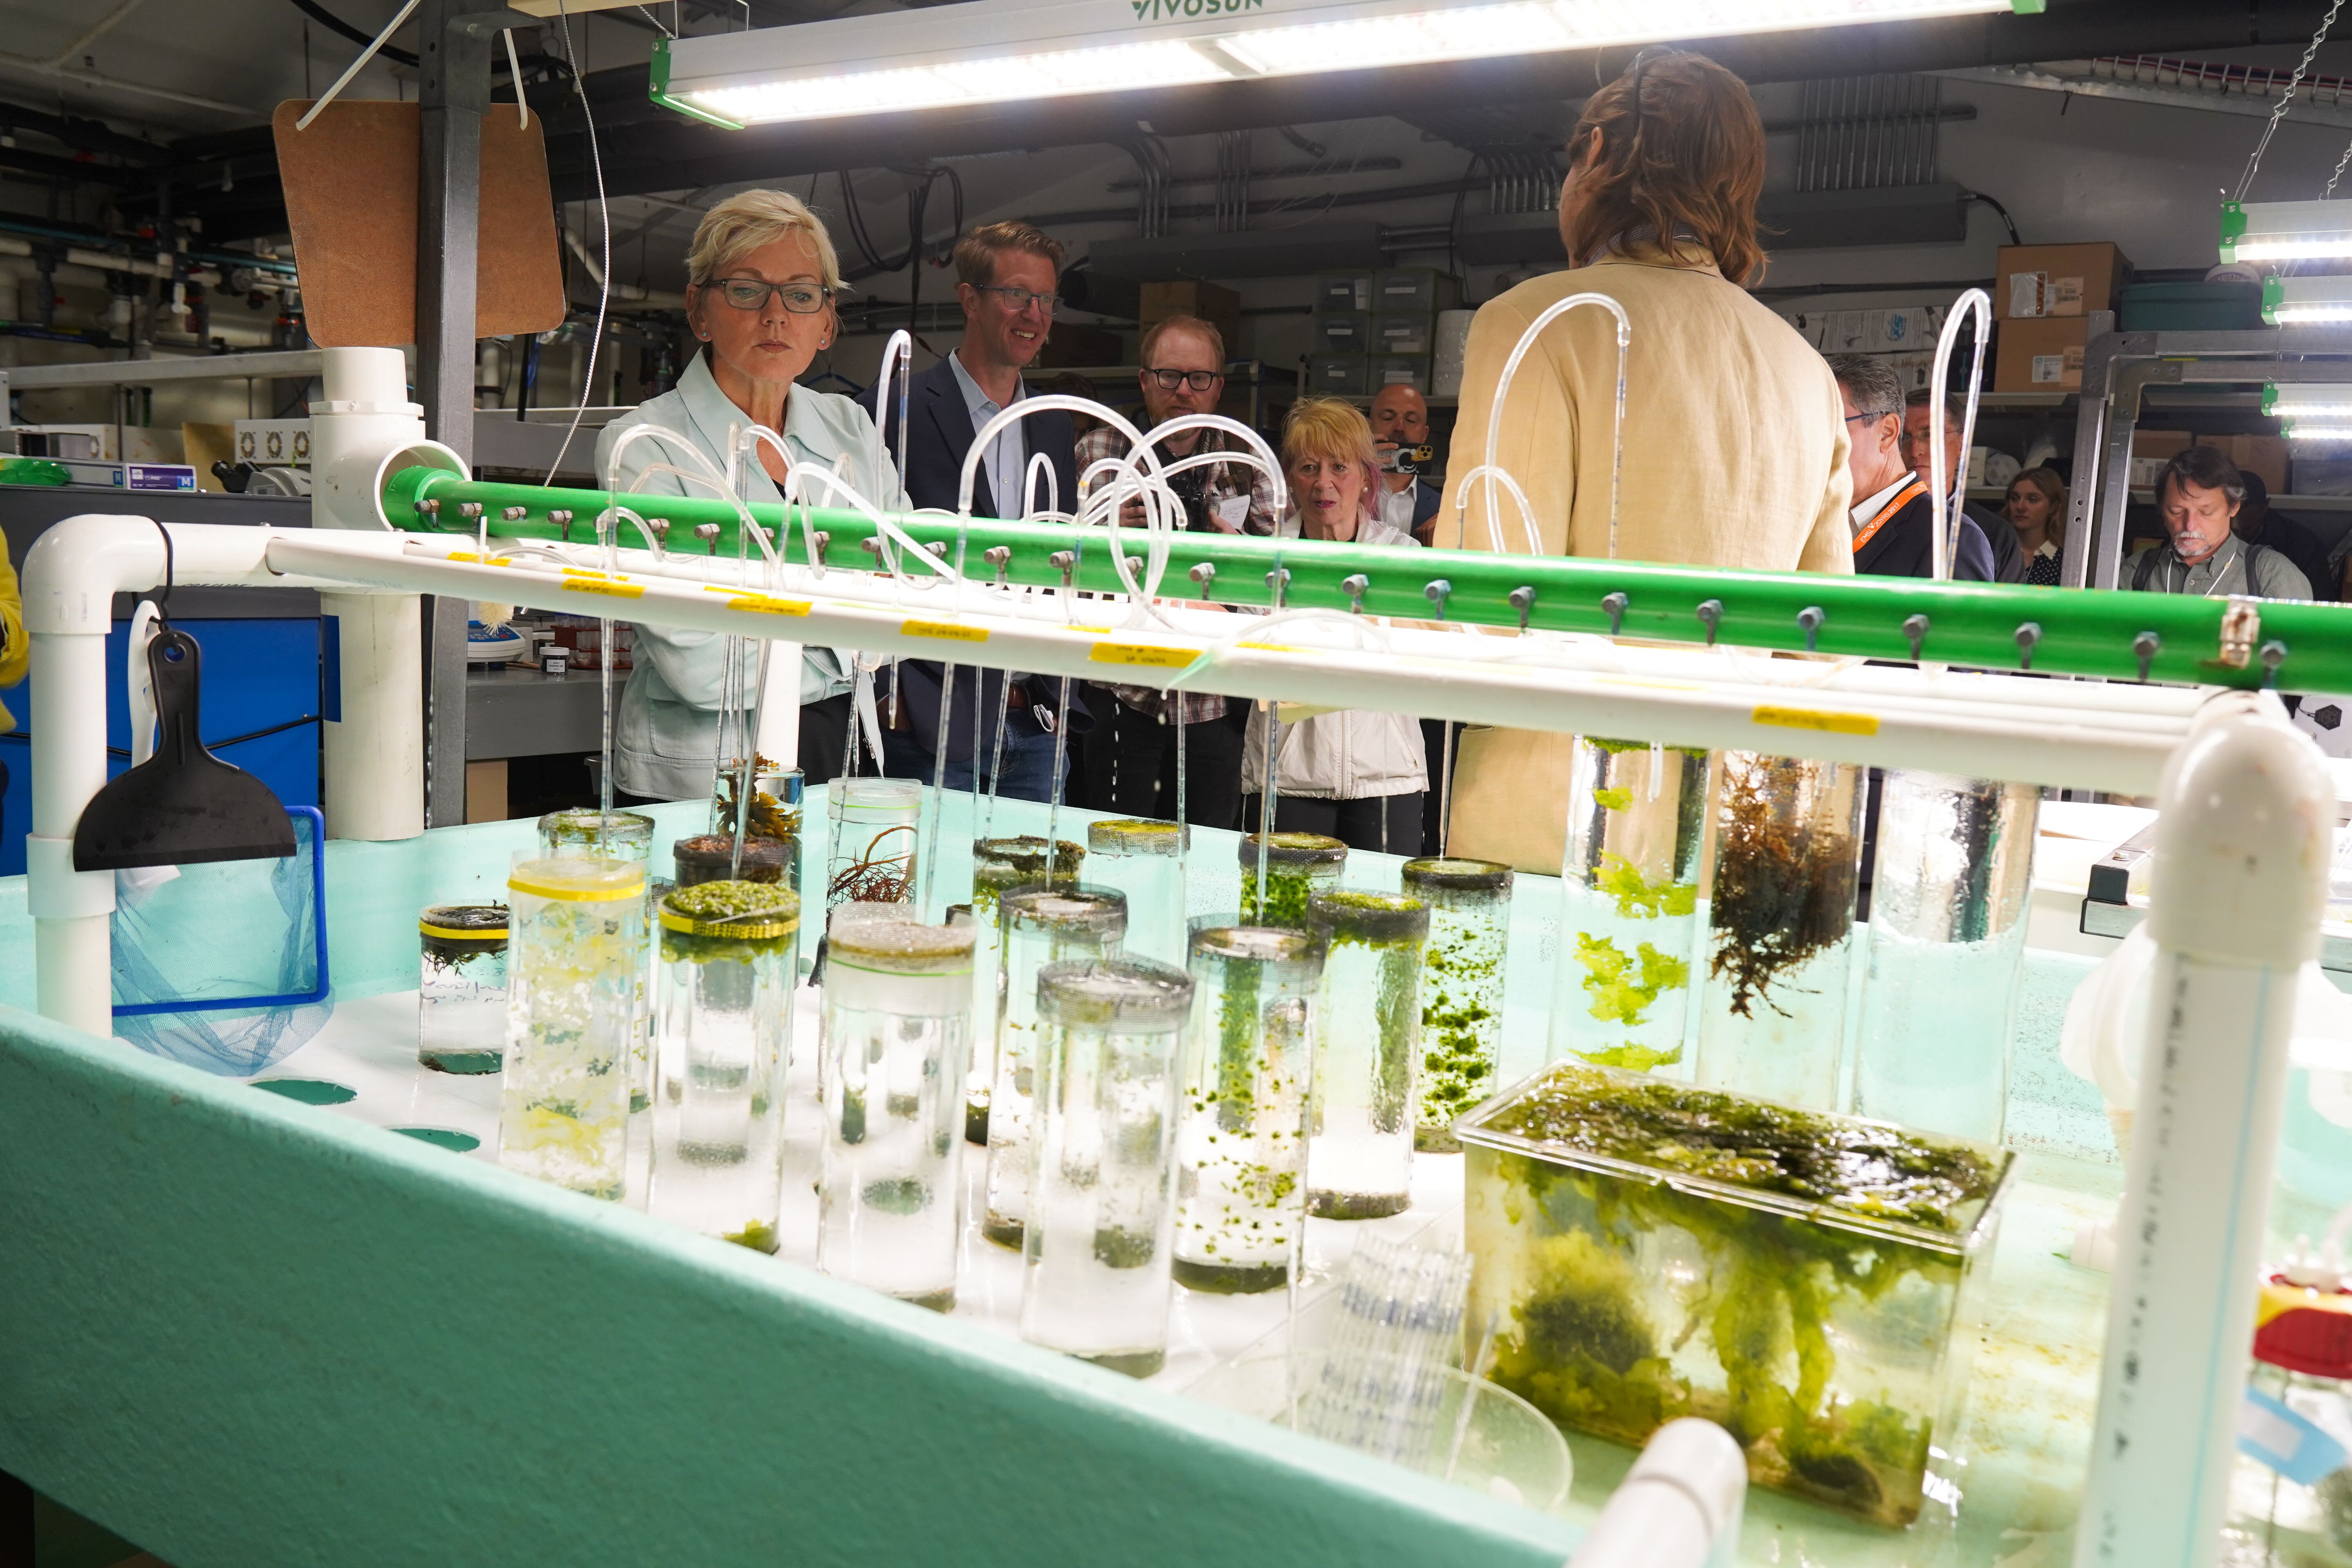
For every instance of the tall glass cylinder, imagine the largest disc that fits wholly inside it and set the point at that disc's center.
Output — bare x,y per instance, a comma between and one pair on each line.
873,825
1249,1065
1095,1252
724,1035
575,960
1629,921
618,836
1461,989
1297,866
1947,907
897,1010
999,865
461,1002
1788,860
1367,1043
1037,926
1145,860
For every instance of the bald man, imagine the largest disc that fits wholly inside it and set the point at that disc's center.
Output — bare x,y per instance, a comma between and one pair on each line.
1400,418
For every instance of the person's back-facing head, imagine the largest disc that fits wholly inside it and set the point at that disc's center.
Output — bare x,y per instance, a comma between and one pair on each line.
1873,421
2198,495
1674,145
1329,461
1006,273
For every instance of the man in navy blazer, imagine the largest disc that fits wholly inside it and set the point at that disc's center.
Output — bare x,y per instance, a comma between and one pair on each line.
1005,276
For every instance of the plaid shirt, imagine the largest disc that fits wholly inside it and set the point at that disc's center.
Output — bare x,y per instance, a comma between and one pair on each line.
1224,486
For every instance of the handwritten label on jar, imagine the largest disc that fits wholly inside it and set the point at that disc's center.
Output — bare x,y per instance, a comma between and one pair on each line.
764,605
1815,718
610,587
1143,654
946,631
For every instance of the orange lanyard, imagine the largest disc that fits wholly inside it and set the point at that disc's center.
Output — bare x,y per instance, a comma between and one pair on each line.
1903,497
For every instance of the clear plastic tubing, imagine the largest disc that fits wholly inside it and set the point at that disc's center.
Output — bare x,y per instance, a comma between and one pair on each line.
1629,921
1095,1252
1249,1062
875,825
575,961
1368,1042
1462,972
1297,866
896,1022
723,1036
999,865
1145,860
1947,945
1036,926
461,1006
1788,862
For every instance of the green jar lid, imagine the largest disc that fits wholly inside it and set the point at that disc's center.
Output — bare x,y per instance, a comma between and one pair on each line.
1114,993
1025,856
1292,849
901,946
1226,939
1458,876
1369,917
751,911
1134,835
464,922
1100,911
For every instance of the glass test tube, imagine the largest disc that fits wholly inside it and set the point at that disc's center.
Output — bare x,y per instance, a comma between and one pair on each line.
1037,926
575,962
1787,860
874,825
461,1005
1249,1060
1947,945
1461,989
999,865
898,1008
1367,1043
1297,866
1629,922
1145,860
1095,1252
728,974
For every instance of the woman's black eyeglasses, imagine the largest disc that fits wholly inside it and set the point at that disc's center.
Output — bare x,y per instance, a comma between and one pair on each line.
752,294
1198,380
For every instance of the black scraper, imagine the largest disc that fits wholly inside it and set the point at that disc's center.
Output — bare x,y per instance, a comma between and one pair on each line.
183,806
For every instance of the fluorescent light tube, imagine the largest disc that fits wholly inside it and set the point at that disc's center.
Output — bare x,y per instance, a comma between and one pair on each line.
2311,410
2285,231
2307,301
999,51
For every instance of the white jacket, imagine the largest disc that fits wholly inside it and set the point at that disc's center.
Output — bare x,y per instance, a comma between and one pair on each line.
1354,754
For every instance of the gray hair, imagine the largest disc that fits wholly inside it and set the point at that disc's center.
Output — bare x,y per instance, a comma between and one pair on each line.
1869,385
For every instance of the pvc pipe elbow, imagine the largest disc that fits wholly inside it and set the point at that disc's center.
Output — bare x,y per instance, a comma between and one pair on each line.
75,569
2240,870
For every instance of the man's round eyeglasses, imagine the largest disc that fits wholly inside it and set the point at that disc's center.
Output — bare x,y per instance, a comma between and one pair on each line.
1198,380
752,294
1019,299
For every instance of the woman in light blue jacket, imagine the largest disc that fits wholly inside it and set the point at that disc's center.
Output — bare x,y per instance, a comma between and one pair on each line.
761,279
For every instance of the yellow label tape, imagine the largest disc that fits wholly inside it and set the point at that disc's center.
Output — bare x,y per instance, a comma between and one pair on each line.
947,631
1268,646
1815,718
453,934
611,587
1143,654
766,606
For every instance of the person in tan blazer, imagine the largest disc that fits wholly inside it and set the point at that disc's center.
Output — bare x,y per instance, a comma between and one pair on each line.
1735,450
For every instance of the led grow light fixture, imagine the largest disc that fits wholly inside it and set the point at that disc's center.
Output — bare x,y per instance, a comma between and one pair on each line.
2285,231
2307,301
997,51
2311,411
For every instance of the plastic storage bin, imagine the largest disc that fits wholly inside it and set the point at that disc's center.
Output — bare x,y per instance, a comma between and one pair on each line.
1419,291
1343,332
2188,308
1343,292
1398,370
1394,334
1646,1250
1338,375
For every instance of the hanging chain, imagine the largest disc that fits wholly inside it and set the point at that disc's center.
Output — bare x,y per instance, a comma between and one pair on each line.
2270,129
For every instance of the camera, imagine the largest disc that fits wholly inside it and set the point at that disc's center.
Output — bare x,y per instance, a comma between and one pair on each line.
1418,459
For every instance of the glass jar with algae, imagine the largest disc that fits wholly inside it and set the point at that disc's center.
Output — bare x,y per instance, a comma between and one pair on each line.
1297,867
575,967
721,1040
1367,1045
461,1006
1629,916
1145,860
1461,989
998,866
1815,1284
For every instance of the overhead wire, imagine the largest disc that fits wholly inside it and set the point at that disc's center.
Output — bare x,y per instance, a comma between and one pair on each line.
604,225
2270,129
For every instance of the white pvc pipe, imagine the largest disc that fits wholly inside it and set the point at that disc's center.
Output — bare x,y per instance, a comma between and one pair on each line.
2240,878
372,755
1679,1507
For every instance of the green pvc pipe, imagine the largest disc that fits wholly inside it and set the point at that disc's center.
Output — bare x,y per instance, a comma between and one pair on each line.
2116,635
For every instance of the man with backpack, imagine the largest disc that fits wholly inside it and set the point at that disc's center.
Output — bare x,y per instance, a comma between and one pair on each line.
2198,496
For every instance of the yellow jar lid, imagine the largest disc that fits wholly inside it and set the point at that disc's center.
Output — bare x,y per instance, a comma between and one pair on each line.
579,880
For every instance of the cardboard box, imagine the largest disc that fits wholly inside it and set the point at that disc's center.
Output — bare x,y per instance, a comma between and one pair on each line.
1220,307
2038,281
2161,445
2040,357
2262,454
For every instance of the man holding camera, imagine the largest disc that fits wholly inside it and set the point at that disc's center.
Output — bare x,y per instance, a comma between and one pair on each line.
1400,435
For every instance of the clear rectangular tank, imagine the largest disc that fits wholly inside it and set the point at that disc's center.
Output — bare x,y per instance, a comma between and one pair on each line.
1645,1250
